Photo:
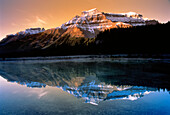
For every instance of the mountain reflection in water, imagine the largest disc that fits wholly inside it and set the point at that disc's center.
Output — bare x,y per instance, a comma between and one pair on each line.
93,81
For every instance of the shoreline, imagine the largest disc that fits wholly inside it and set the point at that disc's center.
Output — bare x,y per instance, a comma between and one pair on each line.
90,57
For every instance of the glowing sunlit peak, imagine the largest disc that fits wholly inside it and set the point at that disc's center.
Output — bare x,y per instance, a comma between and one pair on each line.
128,14
131,13
91,12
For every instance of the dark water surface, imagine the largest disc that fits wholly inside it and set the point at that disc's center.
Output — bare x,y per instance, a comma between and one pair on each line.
85,86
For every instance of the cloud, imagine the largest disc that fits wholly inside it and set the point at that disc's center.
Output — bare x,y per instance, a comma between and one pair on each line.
31,22
40,20
35,22
13,24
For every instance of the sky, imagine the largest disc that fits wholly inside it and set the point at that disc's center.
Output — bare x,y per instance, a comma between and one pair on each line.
18,15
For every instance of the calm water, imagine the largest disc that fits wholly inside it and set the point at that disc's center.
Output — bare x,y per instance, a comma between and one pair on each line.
85,86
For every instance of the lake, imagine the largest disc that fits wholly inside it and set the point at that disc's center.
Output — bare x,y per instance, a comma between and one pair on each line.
113,86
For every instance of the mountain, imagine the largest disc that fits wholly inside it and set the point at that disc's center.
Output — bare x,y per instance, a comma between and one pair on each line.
93,21
80,30
21,34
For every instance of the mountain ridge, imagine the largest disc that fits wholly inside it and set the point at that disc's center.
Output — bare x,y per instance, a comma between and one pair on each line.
81,31
93,16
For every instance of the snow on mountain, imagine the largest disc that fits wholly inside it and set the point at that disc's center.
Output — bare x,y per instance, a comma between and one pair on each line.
31,31
90,12
92,21
131,18
89,21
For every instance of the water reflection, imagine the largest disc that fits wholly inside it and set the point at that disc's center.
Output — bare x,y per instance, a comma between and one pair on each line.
95,93
92,81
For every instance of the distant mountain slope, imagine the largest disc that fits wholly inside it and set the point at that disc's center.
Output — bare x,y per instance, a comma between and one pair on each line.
20,35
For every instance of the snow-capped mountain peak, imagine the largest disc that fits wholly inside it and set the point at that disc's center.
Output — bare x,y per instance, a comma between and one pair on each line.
32,31
94,21
93,11
132,14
